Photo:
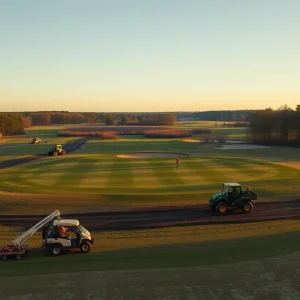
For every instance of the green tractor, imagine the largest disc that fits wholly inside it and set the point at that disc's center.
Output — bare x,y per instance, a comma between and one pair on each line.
57,150
232,197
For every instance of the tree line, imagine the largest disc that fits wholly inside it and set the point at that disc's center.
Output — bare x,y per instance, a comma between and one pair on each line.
216,115
134,119
50,118
11,124
276,127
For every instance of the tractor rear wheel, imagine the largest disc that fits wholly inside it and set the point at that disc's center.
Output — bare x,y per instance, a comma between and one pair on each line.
247,207
221,208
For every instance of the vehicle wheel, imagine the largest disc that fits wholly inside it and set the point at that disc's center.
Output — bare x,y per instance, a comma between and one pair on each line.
18,256
85,247
55,153
221,208
57,250
4,257
63,152
247,207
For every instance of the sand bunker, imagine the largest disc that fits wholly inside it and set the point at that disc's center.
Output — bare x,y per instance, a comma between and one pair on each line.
213,141
151,155
193,141
242,147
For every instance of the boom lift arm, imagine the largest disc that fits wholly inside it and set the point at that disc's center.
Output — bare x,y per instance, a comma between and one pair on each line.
26,235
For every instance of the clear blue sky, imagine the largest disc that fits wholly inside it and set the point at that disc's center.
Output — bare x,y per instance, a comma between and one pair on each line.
149,55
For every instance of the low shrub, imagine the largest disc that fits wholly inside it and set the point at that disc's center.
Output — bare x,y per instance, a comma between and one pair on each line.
108,136
237,124
103,135
201,131
167,133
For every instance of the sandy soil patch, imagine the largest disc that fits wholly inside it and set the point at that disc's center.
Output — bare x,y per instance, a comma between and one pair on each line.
151,155
242,147
192,141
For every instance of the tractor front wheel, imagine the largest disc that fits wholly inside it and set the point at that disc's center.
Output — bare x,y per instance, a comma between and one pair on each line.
221,208
54,153
247,207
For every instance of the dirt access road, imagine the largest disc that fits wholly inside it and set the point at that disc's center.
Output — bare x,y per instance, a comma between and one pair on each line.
20,160
167,217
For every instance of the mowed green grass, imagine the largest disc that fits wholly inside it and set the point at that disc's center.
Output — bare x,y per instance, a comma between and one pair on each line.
102,179
183,246
96,169
173,263
268,278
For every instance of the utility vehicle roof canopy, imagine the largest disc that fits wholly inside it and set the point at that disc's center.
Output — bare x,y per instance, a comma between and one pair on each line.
232,184
66,222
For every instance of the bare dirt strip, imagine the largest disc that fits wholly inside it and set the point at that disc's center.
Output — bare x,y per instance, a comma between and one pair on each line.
70,147
167,217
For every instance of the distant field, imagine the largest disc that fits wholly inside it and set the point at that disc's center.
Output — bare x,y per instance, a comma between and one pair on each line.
102,179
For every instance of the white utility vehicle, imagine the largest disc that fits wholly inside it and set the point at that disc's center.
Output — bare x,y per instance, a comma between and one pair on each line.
74,236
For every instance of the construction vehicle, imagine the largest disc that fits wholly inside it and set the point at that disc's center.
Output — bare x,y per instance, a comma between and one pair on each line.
51,241
232,197
57,150
36,141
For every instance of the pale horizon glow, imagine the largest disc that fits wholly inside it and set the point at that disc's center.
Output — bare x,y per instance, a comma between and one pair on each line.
151,55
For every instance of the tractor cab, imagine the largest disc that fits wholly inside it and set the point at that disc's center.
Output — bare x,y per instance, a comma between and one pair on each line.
65,234
57,148
232,196
232,190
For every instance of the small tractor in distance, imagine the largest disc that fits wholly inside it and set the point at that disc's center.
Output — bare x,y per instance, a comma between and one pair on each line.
36,141
56,150
232,197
